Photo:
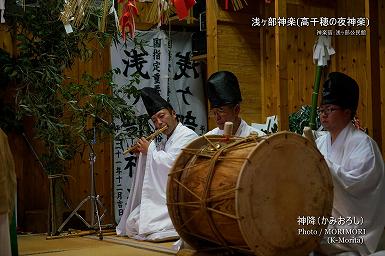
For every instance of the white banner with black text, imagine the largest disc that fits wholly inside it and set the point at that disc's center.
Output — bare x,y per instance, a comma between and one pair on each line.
166,65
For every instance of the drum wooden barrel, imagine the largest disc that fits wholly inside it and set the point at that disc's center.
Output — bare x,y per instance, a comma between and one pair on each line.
248,194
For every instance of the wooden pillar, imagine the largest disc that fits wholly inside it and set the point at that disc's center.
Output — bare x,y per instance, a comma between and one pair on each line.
281,66
212,46
381,34
212,36
373,72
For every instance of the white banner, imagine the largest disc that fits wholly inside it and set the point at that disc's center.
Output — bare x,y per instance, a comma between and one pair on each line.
165,65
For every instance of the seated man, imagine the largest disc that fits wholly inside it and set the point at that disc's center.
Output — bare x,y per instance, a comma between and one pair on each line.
225,98
146,216
357,170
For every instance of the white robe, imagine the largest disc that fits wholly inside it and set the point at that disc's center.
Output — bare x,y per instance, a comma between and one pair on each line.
244,130
357,169
145,216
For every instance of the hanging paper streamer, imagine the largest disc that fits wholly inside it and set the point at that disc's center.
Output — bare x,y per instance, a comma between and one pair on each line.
127,21
113,11
182,7
2,9
322,51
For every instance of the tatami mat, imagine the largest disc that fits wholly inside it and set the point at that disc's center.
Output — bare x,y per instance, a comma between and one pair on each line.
91,245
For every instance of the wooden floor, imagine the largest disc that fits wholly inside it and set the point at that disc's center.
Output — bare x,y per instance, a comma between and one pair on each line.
90,245
111,245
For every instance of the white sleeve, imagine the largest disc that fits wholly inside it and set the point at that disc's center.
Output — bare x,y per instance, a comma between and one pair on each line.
165,159
359,173
214,131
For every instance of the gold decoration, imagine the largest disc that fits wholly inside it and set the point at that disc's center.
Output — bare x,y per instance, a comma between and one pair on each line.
159,11
77,12
103,22
153,14
238,5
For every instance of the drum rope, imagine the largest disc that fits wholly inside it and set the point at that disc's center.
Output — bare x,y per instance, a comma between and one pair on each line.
186,168
209,179
223,213
183,186
217,153
214,146
188,220
197,152
240,141
208,156
243,147
209,209
211,199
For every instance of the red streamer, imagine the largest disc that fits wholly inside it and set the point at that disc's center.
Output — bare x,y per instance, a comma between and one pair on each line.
182,7
127,21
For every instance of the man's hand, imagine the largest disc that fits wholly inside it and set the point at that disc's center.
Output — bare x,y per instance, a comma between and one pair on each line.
143,145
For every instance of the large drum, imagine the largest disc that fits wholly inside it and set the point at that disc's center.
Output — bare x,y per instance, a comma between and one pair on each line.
263,195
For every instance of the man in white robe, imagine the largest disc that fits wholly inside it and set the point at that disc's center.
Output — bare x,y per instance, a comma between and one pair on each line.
357,169
225,97
146,216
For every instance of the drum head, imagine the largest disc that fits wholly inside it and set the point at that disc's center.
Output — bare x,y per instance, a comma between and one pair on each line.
285,179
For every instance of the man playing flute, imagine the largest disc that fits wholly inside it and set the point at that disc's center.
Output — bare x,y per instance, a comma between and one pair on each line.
145,216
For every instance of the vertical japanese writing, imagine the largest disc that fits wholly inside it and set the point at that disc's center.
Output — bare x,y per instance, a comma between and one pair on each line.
118,178
157,42
135,60
165,64
189,120
184,92
184,63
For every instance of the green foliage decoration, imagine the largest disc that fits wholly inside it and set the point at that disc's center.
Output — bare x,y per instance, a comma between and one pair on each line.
298,120
61,108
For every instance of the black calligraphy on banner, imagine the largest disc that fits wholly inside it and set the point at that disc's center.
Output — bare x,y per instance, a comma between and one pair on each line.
118,148
136,98
165,64
184,92
157,42
119,198
156,64
119,186
202,129
185,63
188,120
131,163
157,52
135,60
137,127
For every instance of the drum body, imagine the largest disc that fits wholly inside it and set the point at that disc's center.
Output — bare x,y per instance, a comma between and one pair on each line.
248,194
